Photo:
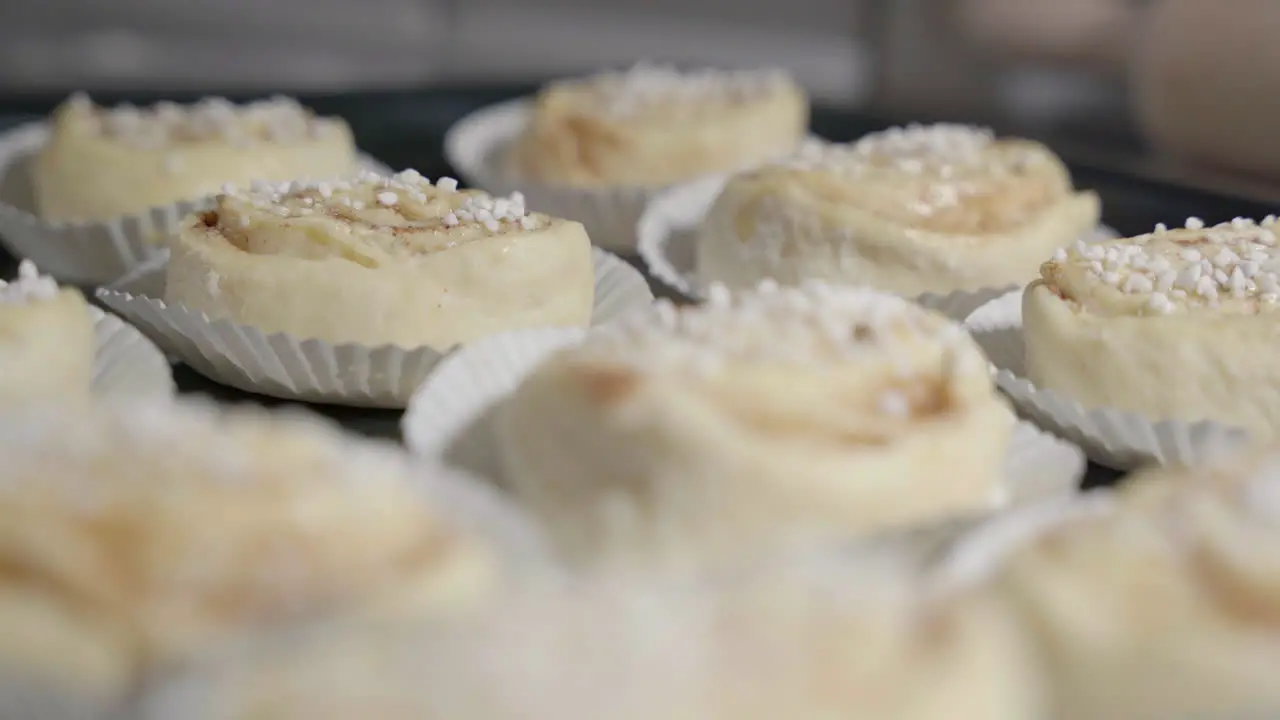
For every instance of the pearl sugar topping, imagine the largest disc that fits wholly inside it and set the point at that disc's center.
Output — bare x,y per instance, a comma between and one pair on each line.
647,85
387,193
195,433
277,119
814,324
911,149
29,286
1196,265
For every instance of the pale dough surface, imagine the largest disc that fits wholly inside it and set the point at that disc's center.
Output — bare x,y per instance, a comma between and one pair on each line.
347,269
772,647
701,435
47,349
170,529
1107,341
1169,605
85,172
934,209
654,127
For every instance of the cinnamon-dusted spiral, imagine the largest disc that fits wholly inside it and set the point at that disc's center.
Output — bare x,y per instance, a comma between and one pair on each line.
1175,324
1168,604
138,535
775,415
938,209
774,646
46,340
653,126
100,163
376,260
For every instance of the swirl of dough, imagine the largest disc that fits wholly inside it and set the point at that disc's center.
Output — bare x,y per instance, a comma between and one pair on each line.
101,163
1174,324
378,260
46,340
1169,605
911,210
183,525
773,647
709,432
653,126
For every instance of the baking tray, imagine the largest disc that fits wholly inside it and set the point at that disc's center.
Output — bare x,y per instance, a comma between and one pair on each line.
406,129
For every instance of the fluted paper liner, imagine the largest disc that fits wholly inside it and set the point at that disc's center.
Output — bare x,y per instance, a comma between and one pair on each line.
1115,438
85,253
476,146
125,363
666,235
311,370
449,419
980,551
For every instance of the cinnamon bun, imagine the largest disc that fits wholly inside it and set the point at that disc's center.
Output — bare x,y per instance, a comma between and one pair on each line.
380,261
178,527
705,432
102,163
921,209
46,340
631,650
1169,605
1174,325
654,126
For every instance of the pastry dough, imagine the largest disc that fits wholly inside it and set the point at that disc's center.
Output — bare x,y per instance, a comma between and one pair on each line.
46,340
653,126
711,432
934,209
102,163
640,651
58,659
381,261
183,526
1175,324
1166,607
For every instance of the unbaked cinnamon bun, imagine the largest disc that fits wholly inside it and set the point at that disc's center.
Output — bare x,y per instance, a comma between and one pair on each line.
702,433
1175,324
914,210
378,261
101,163
653,126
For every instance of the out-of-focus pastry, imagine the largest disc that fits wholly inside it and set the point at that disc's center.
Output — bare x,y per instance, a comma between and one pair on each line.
177,527
101,163
653,126
921,209
46,340
1167,607
636,651
701,433
1175,324
379,261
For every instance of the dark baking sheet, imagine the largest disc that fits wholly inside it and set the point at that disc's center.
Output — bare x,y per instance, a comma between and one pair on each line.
406,129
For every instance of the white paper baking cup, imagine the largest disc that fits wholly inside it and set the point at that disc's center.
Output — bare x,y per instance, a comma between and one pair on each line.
1115,438
473,506
667,230
476,146
979,552
126,364
449,417
312,370
85,253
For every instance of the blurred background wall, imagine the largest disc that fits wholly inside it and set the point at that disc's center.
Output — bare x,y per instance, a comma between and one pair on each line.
947,51
1088,68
